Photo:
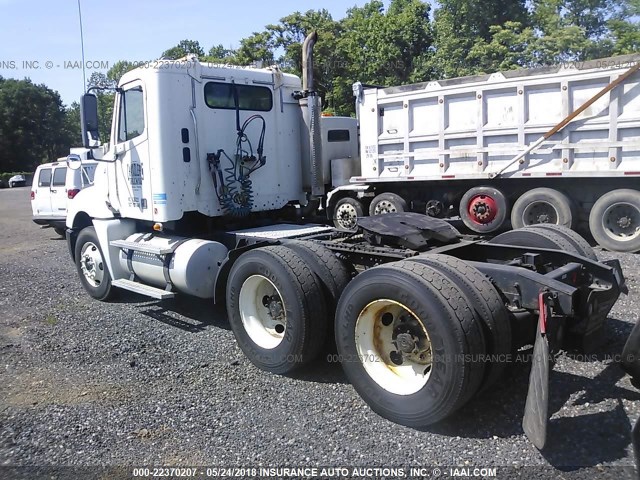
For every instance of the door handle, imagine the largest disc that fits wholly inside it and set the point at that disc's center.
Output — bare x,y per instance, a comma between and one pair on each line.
54,191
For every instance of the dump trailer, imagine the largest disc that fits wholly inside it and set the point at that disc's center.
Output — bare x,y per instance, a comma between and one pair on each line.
205,190
558,145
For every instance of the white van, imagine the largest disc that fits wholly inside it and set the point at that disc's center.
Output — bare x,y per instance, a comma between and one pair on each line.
54,184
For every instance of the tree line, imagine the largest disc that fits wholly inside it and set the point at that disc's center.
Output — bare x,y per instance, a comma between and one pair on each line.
406,42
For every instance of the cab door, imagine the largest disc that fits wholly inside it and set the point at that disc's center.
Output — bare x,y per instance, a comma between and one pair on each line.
131,146
59,191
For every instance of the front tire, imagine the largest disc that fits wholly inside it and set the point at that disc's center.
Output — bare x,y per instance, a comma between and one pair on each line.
276,309
346,214
91,267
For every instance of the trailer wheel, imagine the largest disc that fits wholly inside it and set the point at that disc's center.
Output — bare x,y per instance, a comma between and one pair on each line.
330,271
614,220
346,213
489,308
387,203
537,238
574,238
543,206
402,332
91,267
276,309
483,209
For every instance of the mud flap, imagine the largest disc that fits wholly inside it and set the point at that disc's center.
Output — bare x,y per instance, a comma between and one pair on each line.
635,438
536,410
631,354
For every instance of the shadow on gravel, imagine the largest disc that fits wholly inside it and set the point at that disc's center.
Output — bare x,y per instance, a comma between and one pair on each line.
587,440
190,314
573,442
324,369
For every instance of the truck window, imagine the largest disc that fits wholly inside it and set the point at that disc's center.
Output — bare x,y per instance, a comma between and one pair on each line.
59,177
88,173
338,135
131,114
250,97
44,178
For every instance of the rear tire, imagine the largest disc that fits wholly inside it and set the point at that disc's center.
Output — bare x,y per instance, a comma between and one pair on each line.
276,309
483,209
614,220
537,238
574,238
346,214
435,376
91,267
489,308
543,206
387,203
60,231
332,273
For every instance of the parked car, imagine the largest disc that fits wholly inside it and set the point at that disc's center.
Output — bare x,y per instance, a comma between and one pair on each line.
54,185
17,181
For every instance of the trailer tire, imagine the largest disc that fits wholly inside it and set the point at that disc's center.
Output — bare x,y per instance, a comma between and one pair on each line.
537,238
346,214
556,209
574,238
434,309
607,215
91,267
329,269
270,281
387,203
483,209
488,306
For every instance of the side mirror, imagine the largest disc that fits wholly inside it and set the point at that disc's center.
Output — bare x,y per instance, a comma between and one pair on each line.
74,162
89,120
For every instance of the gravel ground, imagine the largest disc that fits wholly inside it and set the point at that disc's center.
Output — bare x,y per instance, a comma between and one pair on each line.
137,382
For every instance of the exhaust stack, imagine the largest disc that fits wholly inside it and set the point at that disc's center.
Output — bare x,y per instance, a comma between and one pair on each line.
314,108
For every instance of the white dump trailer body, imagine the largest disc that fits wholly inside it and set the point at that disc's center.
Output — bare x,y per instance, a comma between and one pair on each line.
472,127
462,147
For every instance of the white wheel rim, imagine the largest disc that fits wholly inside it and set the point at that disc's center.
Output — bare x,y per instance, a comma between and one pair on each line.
262,311
347,216
621,221
375,329
540,212
385,206
91,264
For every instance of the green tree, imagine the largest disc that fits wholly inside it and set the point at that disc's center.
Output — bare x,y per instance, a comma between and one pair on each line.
219,54
460,24
32,121
184,48
118,69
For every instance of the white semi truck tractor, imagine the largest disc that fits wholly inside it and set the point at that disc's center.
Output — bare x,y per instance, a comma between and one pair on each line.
204,190
556,145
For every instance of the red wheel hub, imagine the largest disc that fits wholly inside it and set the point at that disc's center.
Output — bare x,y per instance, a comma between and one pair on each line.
482,209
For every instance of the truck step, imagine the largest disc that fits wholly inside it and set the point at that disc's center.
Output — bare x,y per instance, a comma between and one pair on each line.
141,247
142,289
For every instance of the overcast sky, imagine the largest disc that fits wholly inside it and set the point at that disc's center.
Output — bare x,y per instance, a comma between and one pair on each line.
40,39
